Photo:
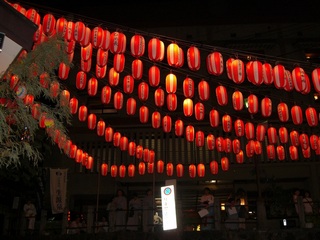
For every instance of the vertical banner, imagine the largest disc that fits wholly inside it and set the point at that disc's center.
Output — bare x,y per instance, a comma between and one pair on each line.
168,207
58,189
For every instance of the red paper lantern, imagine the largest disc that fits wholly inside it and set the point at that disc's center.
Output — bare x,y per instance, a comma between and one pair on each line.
81,80
293,152
266,107
314,141
151,156
49,24
159,97
199,138
227,145
156,119
119,60
254,72
281,153
279,76
137,45
226,123
306,152
32,15
118,100
236,146
108,134
139,152
54,89
188,87
316,79
124,143
272,135
201,170
253,104
154,76
116,139
73,105
169,169
260,132
166,124
89,164
211,141
304,141
229,67
178,127
249,130
131,170
143,91
174,54
67,147
118,42
189,133
146,155
150,167
222,96
61,26
237,71
172,102
239,128
271,152
220,144
294,138
267,73
192,170
29,99
188,107
42,120
132,148
296,115
87,37
237,100
83,112
160,166
137,69
92,86
131,106
239,157
155,50
214,118
86,65
199,110
299,79
97,35
288,86
86,52
179,170
250,148
257,148
283,112
114,170
128,84
225,164
92,121
79,31
193,58
144,114
102,57
312,116
104,169
101,71
171,83
142,168
73,151
101,127
214,168
204,90
214,63
113,77
70,31
64,98
78,157
106,94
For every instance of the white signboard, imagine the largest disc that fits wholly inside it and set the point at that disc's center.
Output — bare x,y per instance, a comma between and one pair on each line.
168,201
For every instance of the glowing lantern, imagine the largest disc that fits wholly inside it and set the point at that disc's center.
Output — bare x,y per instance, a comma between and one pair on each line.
73,151
296,115
106,40
33,15
63,71
249,130
227,145
137,45
172,102
89,163
151,156
304,141
67,147
86,65
253,104
150,167
146,155
42,120
222,96
283,112
124,143
257,147
266,107
279,76
237,71
214,63
272,135
306,152
214,118
102,57
81,80
108,134
49,24
97,35
86,52
188,87
179,170
131,170
239,157
155,50
173,54
229,67
178,127
143,91
166,124
142,168
144,114
193,58
106,94
113,77
204,90
294,138
267,73
118,100
114,170
271,152
239,128
132,148
225,164
288,81
154,76
199,111
192,170
316,79
128,84
281,153
201,170
293,152
283,135
61,26
312,117
117,42
188,107
29,99
214,169
79,31
131,106
160,166
169,169
236,146
73,105
104,169
70,31
226,123
119,62
250,148
122,171
87,37
299,79
254,72
78,157
92,121
314,140
139,152
137,69
54,88
101,71
237,100
116,139
159,97
211,141
156,119
171,83
220,144
83,112
44,80
199,138
189,133
92,86
101,127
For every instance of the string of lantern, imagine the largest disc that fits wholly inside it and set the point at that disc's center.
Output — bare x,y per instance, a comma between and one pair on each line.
257,73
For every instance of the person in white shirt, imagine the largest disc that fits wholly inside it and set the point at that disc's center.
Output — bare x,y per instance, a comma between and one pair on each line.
30,213
307,203
120,202
207,202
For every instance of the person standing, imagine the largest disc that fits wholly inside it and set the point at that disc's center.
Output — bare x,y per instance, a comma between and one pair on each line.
147,217
207,202
30,213
134,214
120,202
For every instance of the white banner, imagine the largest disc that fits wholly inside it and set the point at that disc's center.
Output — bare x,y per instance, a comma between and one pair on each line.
58,189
